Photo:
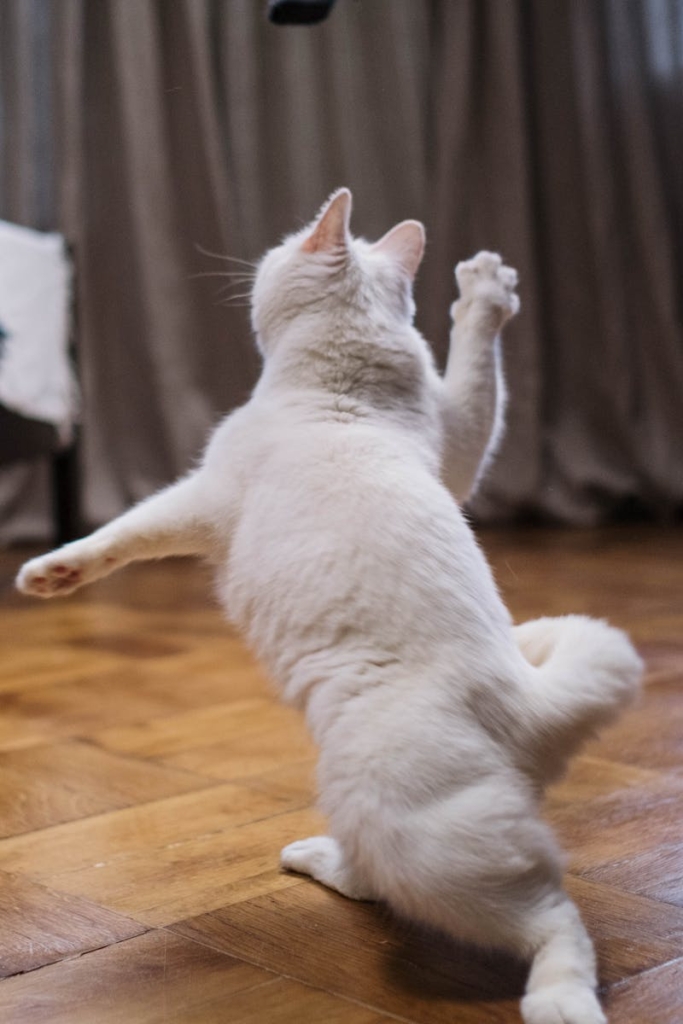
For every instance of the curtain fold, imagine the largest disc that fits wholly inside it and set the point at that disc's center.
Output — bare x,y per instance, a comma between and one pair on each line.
150,130
28,195
483,192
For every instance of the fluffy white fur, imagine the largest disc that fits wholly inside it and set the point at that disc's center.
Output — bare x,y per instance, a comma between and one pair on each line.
355,577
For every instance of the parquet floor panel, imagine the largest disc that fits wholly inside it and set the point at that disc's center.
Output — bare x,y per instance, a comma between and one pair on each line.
148,779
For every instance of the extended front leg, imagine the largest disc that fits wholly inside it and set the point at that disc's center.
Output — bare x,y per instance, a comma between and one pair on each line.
473,385
176,521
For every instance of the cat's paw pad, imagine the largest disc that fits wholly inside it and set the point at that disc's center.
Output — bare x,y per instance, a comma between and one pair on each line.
487,284
61,572
563,1004
42,577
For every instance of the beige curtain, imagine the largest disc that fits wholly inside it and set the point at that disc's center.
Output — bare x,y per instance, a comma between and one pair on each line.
557,140
547,129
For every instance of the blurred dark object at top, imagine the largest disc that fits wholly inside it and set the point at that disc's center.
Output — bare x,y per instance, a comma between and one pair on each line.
298,12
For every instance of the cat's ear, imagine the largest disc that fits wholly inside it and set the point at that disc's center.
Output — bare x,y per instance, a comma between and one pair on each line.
331,229
405,244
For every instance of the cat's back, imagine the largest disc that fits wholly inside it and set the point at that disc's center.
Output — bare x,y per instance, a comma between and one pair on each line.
333,469
345,535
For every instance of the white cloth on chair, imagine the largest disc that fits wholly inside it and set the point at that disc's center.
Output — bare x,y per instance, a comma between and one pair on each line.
36,376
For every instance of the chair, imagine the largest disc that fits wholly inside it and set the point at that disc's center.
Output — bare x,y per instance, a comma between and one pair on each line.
38,391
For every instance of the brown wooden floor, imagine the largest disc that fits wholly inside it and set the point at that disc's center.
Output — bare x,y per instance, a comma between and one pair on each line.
148,781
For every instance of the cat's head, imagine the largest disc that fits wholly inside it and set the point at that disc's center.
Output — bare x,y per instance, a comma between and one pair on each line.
323,272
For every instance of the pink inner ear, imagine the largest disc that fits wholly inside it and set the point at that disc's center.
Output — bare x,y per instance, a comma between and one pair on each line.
405,244
331,228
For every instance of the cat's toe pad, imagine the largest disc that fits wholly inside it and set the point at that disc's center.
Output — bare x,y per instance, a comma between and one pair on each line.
43,578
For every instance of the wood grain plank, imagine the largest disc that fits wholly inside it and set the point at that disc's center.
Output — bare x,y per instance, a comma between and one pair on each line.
289,1002
652,735
356,950
630,575
143,668
652,998
631,934
343,947
590,778
185,737
122,704
193,876
162,978
92,842
250,753
156,977
295,780
38,926
44,663
624,823
657,873
44,785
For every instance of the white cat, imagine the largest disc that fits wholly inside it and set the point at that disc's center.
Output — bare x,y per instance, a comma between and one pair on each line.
355,577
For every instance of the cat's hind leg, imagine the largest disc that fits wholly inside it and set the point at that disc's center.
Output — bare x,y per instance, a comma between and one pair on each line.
482,867
562,982
322,858
172,522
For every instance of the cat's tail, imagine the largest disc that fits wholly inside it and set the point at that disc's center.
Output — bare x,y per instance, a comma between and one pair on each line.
583,672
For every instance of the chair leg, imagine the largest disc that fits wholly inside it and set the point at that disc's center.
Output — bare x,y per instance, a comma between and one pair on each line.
66,495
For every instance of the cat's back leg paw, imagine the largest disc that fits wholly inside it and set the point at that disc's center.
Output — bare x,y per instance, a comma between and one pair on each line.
563,1004
321,857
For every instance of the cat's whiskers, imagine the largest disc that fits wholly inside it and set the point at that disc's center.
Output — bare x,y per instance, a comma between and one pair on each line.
233,279
238,284
237,275
221,256
236,300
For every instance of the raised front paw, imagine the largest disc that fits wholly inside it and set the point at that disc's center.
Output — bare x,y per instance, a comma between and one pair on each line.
63,571
487,287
